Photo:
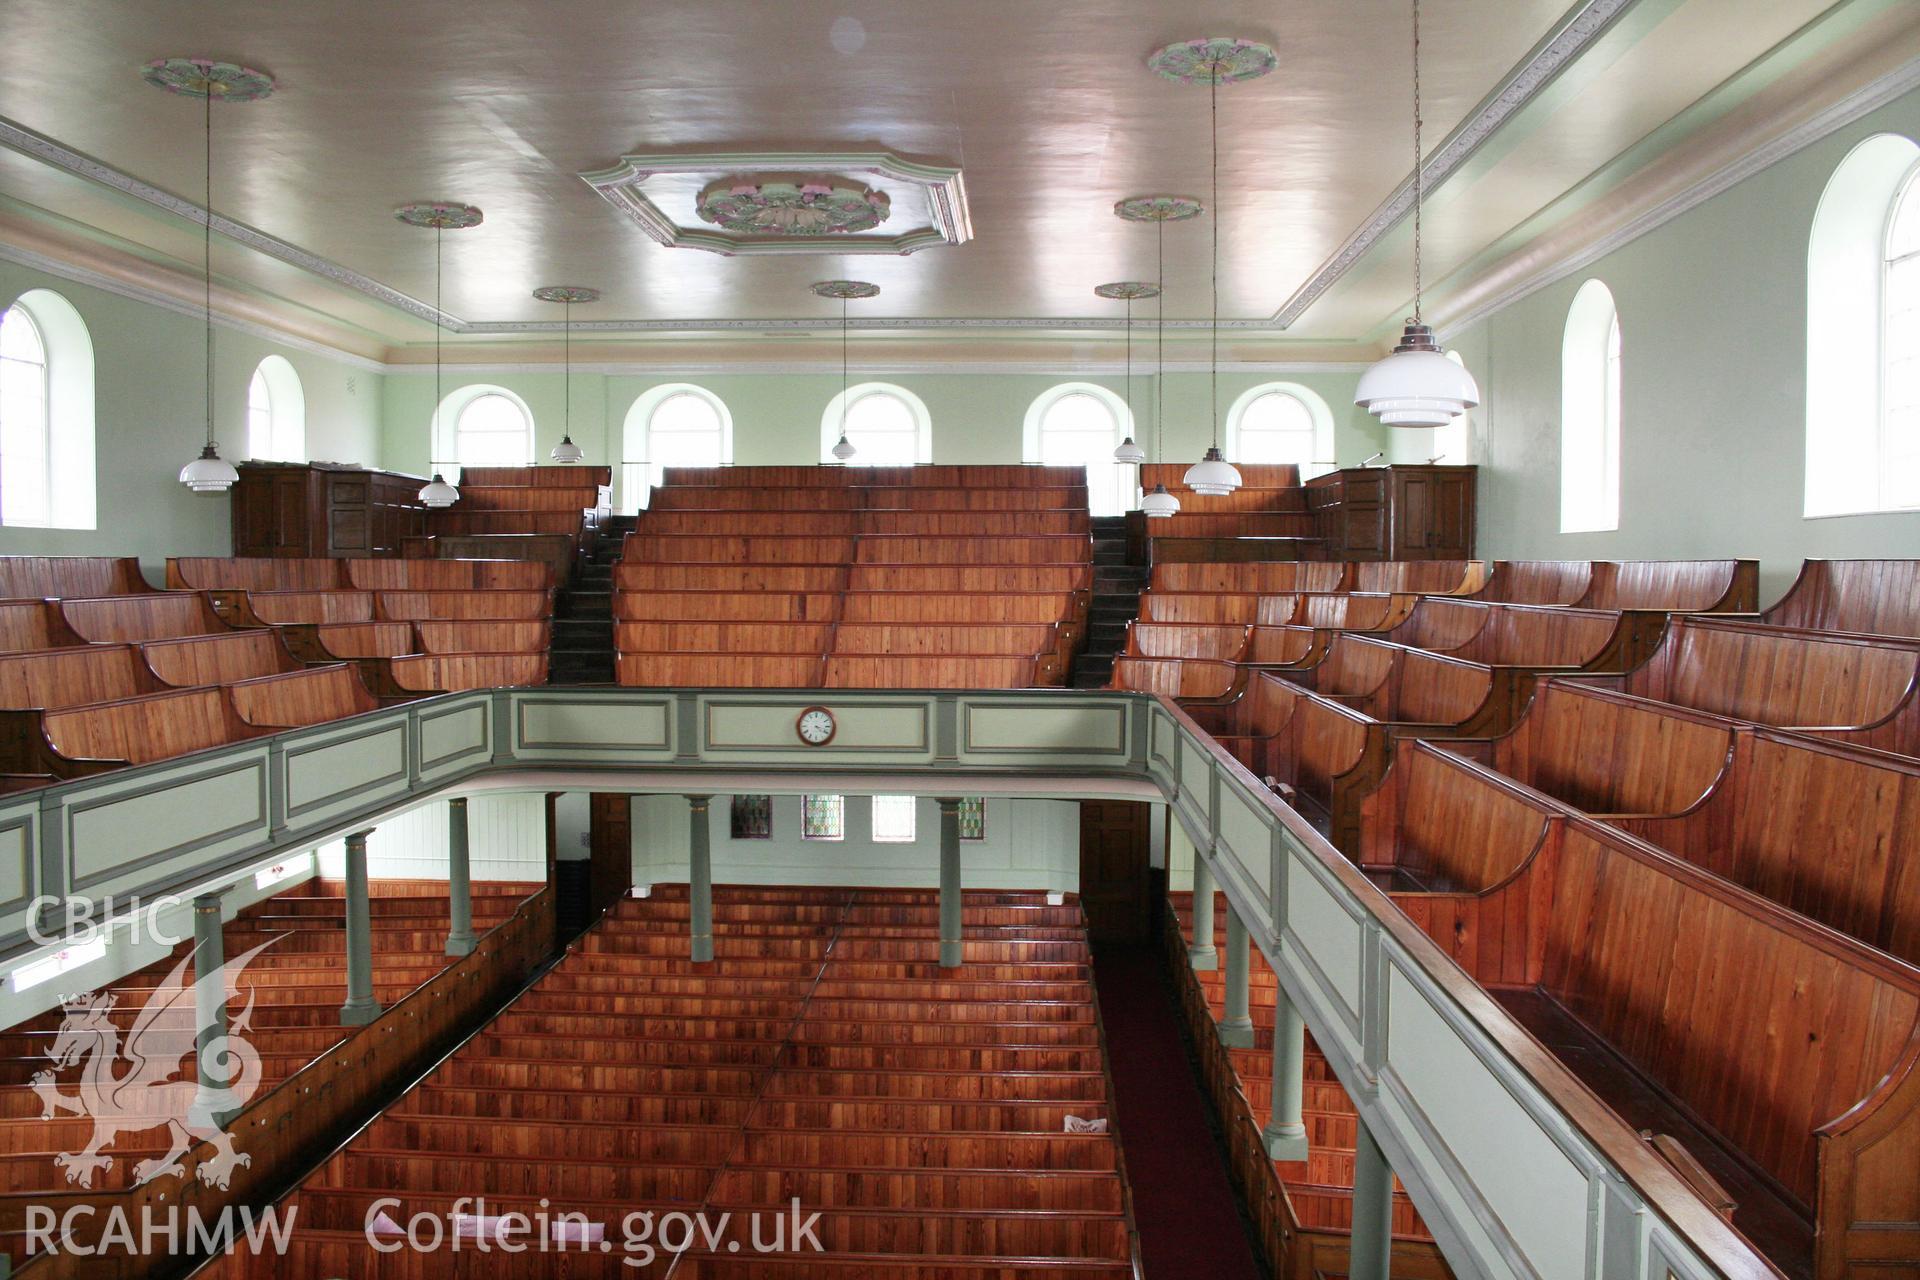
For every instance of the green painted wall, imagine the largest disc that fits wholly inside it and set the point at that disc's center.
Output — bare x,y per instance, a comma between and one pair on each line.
1713,330
149,421
776,417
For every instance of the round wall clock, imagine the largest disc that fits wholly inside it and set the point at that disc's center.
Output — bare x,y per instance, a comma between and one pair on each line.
815,726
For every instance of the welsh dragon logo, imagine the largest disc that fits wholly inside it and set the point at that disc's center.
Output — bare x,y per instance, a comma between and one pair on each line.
126,1088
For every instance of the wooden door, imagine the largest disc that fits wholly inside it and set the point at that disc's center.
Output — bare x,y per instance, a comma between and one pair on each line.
610,820
1115,891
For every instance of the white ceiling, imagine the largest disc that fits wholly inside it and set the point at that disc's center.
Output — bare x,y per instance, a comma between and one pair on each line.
1049,111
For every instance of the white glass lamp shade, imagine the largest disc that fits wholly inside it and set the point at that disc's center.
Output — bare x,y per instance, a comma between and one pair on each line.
1213,475
567,452
1129,452
844,449
209,473
1416,386
1159,504
438,493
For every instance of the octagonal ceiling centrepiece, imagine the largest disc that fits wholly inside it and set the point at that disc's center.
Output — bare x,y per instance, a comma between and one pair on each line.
742,203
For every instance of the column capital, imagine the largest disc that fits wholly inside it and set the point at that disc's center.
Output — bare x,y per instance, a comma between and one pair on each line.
948,804
456,802
699,802
209,901
359,837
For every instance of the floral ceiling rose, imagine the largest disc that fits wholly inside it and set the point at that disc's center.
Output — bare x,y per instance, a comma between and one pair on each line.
206,78
1158,208
844,289
807,208
567,293
1127,290
1216,60
441,215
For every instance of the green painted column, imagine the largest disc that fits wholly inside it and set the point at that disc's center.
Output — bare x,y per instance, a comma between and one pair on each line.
360,1008
1372,1242
211,1099
1236,1026
459,881
1285,1134
952,931
1201,953
700,876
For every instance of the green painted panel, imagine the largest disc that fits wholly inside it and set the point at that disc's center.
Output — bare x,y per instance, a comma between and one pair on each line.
449,738
1003,728
350,770
166,824
1196,774
18,841
767,725
1246,837
556,725
1512,1162
1329,936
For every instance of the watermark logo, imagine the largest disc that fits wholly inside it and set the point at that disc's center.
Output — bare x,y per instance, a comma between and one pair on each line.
131,1086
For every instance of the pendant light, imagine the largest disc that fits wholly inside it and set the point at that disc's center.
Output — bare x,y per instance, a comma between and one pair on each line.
567,452
1417,386
1159,210
1215,62
440,216
209,81
1127,291
843,290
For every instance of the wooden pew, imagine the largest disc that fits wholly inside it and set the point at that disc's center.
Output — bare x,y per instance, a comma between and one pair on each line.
893,549
710,498
329,642
683,548
933,638
288,608
748,524
969,578
557,551
1270,577
132,619
722,637
449,575
483,637
1827,830
304,697
722,606
1552,582
948,671
73,677
420,674
64,577
971,523
1675,586
1535,636
640,576
1317,754
1863,690
253,573
1060,498
1871,597
555,477
724,670
1187,640
480,497
463,606
1176,677
1002,608
1216,608
1432,826
1779,1054
219,660
1608,754
90,739
456,523
1320,617
27,626
1426,577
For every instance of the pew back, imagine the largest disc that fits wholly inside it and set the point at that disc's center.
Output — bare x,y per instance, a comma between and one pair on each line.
1675,586
1871,597
1605,753
449,575
221,659
66,577
1261,577
132,619
252,573
29,625
73,677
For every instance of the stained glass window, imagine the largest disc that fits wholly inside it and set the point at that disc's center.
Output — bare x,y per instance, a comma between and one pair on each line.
823,817
973,818
753,817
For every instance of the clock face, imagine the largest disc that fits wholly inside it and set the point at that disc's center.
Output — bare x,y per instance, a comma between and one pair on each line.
815,726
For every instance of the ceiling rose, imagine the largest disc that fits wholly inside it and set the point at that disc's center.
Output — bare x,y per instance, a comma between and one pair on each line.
440,214
805,208
844,289
567,293
1216,60
1127,290
205,78
1158,208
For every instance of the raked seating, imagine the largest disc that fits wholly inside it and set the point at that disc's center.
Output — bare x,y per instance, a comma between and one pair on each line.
64,577
1264,577
1187,640
922,1113
1318,754
1426,577
133,618
1780,1056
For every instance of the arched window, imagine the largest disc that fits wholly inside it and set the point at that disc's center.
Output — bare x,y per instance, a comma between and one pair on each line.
888,426
276,413
1590,391
674,425
481,425
1863,333
1079,424
46,414
1281,423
